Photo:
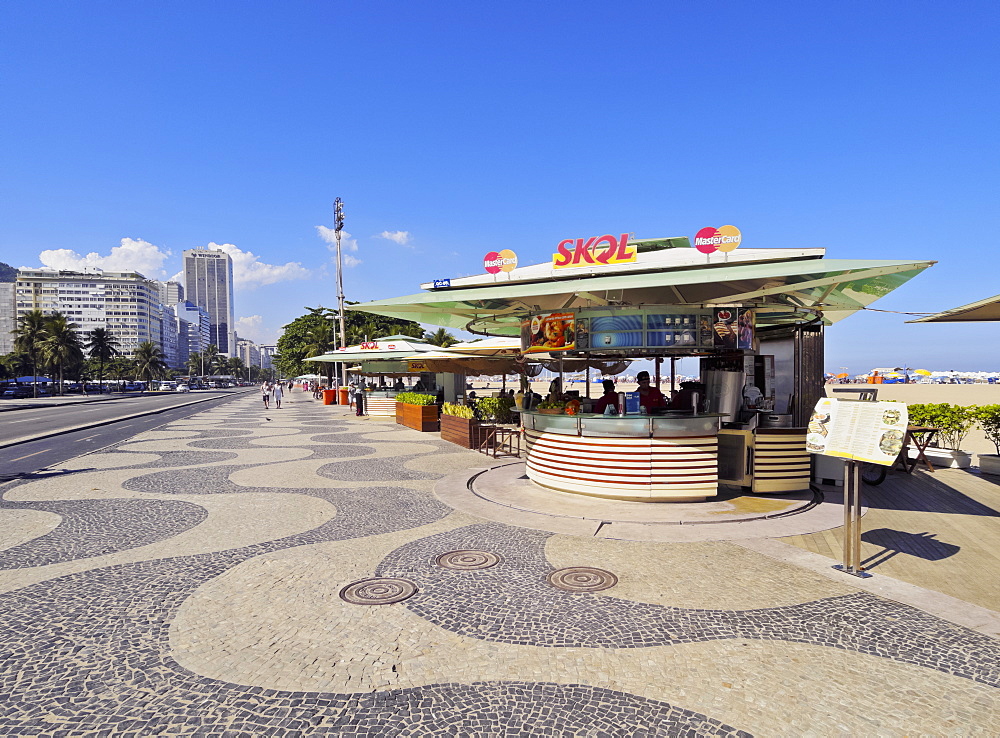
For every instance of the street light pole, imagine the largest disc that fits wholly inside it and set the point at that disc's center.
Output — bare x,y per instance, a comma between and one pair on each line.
338,226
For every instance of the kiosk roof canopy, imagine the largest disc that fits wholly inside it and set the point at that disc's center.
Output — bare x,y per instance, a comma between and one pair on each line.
834,287
974,312
388,348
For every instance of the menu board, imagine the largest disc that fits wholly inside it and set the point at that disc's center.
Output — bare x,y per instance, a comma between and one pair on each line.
858,430
659,330
733,328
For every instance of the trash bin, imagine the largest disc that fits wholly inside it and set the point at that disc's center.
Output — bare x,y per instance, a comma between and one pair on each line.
329,397
343,396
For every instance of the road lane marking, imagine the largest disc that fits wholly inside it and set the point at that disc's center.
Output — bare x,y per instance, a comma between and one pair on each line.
30,455
86,439
26,420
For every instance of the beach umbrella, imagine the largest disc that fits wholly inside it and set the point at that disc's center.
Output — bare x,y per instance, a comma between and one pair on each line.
843,376
922,372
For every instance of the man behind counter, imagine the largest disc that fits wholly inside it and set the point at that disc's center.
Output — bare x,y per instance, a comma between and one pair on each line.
649,397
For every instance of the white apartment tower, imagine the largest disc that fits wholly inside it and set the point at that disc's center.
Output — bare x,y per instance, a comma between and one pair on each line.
208,283
126,303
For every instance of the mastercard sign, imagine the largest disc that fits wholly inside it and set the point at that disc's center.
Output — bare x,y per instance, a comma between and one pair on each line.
725,238
500,261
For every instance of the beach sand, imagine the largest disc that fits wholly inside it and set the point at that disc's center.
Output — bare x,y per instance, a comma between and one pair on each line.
954,394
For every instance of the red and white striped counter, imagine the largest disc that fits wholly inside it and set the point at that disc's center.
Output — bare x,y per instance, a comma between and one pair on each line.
653,459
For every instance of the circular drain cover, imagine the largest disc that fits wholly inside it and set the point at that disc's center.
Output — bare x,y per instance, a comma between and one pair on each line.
581,579
467,560
378,591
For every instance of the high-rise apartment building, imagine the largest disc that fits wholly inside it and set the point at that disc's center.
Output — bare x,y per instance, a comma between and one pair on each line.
266,354
193,330
248,351
126,303
171,293
208,283
8,317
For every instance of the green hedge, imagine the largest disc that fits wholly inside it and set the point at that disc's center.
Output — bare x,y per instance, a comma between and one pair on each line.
415,398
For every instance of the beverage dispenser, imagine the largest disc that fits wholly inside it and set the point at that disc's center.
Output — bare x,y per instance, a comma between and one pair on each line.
723,379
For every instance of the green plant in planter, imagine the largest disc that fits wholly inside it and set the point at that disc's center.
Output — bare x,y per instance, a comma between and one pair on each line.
495,408
459,411
989,421
954,421
415,398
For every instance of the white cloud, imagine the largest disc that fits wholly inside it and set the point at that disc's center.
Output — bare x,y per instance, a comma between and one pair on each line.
400,237
252,327
249,272
347,244
133,255
330,237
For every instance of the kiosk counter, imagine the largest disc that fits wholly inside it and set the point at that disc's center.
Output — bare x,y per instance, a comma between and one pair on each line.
632,457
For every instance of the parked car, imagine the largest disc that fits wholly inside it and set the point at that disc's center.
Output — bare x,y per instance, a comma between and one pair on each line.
17,393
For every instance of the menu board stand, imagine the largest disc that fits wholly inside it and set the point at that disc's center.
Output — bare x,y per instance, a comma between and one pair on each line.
858,431
852,521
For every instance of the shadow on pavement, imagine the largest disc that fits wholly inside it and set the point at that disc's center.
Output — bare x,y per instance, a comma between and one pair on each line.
922,545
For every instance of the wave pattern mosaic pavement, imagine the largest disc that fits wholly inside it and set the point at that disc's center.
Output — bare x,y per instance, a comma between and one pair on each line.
89,651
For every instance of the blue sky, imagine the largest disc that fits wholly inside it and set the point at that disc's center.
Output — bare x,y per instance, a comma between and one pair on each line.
865,128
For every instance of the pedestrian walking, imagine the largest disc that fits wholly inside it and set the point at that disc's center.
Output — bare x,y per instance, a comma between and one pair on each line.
278,391
359,398
352,394
266,393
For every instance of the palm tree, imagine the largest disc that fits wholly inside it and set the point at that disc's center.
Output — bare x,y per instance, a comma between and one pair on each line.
236,367
441,338
28,339
149,361
321,338
102,346
211,357
61,344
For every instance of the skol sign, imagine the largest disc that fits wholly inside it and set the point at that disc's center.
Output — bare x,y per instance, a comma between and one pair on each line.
594,251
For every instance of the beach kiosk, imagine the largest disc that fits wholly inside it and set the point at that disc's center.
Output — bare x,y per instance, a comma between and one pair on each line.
754,318
386,357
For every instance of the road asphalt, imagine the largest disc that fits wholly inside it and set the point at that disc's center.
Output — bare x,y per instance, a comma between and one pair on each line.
52,416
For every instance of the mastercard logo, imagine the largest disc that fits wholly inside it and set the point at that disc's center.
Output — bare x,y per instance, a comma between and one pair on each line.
500,261
710,240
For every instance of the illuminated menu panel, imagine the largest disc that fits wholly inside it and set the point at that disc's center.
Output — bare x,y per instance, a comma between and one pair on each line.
660,330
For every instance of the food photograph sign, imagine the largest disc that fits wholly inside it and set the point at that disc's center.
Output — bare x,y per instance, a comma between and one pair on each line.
857,430
547,332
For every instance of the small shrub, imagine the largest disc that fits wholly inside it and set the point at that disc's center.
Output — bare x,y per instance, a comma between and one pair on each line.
954,421
989,421
415,398
495,408
459,411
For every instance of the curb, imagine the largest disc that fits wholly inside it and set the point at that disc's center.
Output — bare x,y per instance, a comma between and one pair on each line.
64,431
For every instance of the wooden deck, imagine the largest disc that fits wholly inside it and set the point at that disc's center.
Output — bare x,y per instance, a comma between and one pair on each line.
940,531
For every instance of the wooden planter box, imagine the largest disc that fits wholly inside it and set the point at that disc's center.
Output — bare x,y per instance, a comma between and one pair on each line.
422,418
460,431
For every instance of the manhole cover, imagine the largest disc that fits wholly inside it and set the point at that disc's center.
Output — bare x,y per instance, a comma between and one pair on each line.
581,579
467,560
378,591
